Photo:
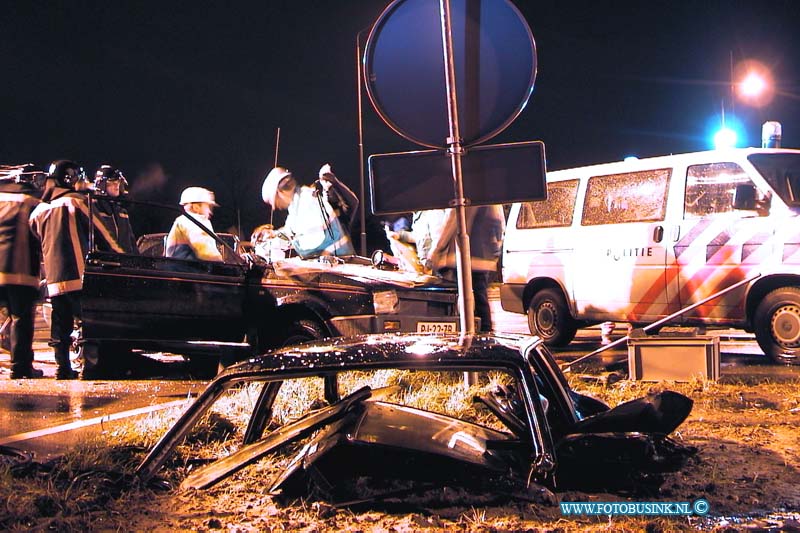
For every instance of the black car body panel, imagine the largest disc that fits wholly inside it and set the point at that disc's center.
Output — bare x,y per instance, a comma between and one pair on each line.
141,298
548,440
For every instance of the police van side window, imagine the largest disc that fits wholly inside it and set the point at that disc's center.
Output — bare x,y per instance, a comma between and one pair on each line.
554,212
629,197
710,188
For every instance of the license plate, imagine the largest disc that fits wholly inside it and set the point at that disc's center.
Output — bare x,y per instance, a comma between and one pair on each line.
436,327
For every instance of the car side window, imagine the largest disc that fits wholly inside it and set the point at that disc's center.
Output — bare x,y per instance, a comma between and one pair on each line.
554,212
629,197
710,188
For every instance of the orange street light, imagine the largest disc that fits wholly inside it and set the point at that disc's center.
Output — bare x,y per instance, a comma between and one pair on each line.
755,86
752,86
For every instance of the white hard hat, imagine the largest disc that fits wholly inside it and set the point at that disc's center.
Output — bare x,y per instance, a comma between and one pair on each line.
191,195
270,187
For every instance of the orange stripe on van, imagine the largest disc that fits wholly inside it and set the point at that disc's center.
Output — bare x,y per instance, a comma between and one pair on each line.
652,295
706,310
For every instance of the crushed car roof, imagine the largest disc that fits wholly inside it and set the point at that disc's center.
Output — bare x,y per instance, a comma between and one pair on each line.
387,349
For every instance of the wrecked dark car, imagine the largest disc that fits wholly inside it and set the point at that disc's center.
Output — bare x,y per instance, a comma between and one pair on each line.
524,430
242,305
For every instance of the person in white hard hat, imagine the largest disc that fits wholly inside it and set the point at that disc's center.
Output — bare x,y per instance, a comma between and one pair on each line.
319,216
186,240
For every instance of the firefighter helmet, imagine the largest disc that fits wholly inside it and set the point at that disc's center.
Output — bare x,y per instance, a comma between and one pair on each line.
66,173
192,195
106,174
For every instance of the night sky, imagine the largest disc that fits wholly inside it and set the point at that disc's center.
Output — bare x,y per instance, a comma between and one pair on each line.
198,89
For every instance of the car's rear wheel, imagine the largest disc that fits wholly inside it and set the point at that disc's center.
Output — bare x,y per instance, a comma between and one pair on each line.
777,325
107,360
549,318
206,366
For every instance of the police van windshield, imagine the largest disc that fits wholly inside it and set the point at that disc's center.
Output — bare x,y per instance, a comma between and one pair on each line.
782,172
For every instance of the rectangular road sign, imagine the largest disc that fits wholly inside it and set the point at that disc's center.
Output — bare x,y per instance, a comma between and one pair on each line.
493,174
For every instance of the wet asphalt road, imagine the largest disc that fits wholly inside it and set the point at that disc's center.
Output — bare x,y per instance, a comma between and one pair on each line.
47,416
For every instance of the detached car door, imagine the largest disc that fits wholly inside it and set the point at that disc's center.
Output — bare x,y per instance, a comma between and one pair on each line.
150,300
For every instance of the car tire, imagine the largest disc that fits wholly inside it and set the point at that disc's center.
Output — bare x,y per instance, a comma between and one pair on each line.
204,366
302,331
777,325
108,360
549,318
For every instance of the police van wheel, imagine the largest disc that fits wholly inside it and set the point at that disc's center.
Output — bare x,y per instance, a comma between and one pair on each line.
777,325
302,331
549,318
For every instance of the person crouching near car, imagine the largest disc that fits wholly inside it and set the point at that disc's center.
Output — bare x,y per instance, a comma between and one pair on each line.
61,223
186,240
112,224
19,265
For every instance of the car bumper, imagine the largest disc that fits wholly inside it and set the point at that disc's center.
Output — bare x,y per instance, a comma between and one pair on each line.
362,324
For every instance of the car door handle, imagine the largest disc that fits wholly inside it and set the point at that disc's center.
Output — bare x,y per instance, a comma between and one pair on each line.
658,233
105,264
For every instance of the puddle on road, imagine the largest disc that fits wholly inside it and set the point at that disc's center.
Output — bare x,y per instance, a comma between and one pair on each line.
60,403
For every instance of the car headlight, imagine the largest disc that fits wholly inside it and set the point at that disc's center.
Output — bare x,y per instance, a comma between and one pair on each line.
385,302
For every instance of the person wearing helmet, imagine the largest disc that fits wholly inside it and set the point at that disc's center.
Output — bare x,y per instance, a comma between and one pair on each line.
186,240
113,224
319,217
61,223
19,264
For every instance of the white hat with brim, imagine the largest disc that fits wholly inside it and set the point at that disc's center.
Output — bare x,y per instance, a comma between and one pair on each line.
198,195
270,187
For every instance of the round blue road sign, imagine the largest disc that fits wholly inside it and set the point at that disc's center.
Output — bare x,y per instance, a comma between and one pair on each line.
495,65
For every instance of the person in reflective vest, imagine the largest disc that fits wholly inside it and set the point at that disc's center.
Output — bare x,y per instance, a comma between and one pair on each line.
186,240
319,216
19,264
61,223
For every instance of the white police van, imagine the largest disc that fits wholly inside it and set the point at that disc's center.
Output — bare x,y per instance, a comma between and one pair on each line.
636,241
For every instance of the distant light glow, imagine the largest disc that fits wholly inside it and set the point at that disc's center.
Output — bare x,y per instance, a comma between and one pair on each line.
724,138
752,85
629,158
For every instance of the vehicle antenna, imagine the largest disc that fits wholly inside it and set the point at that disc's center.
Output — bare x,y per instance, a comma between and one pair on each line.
275,164
277,145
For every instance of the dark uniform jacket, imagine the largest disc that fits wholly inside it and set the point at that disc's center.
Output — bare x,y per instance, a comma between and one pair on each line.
114,219
19,250
61,223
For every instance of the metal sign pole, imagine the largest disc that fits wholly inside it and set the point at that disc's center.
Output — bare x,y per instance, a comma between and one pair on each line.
466,300
361,179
